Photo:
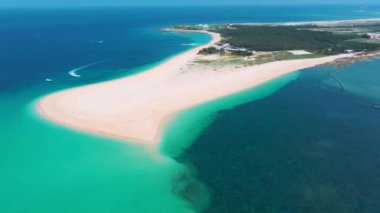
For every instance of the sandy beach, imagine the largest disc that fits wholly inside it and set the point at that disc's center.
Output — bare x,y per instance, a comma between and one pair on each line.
137,108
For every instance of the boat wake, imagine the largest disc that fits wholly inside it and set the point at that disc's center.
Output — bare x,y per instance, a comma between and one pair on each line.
190,44
74,73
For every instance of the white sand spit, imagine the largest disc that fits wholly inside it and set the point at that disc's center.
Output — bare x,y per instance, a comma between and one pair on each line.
136,108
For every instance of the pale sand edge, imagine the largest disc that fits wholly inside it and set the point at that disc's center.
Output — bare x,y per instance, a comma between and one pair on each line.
42,106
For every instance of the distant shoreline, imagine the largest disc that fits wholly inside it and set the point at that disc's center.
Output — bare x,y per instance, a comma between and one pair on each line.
137,108
346,21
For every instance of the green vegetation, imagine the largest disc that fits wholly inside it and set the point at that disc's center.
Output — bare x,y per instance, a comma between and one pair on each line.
280,56
213,50
187,27
366,40
200,27
245,45
277,38
359,29
226,60
208,51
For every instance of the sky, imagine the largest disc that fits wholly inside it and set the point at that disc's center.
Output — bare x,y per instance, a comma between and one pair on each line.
83,3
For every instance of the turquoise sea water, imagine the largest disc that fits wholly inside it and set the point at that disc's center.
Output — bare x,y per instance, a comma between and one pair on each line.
48,168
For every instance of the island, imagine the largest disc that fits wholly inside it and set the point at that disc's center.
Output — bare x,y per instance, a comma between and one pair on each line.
137,108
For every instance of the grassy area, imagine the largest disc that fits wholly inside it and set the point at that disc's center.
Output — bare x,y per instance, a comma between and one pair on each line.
350,28
261,58
366,40
280,56
225,60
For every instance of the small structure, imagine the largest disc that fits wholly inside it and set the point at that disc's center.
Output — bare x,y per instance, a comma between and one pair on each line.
232,49
237,51
204,26
231,27
299,52
373,36
349,51
226,48
221,46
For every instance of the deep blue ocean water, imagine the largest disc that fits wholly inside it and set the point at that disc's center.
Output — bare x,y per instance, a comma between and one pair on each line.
47,43
251,167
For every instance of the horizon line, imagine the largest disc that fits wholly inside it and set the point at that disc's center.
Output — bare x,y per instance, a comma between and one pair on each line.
176,5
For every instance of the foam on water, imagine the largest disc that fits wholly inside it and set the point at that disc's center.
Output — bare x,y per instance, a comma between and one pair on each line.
74,73
190,44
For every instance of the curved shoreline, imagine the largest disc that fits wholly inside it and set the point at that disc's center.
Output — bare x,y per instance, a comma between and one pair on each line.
138,107
43,107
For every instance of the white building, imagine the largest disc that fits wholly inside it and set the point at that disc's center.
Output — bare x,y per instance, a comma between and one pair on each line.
234,49
204,26
373,35
220,46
